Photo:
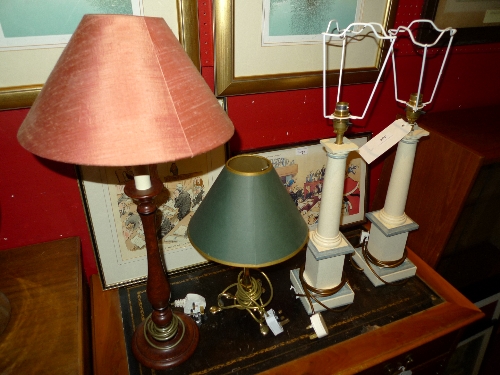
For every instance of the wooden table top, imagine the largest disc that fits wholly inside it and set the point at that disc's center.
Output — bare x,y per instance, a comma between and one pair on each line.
46,333
352,356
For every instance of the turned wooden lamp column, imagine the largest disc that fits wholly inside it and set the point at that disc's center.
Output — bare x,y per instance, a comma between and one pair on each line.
165,339
124,93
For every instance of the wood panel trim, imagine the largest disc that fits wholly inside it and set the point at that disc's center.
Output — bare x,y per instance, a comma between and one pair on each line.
108,338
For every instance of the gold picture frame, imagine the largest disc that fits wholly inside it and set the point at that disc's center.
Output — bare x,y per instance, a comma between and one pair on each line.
186,29
468,17
237,28
302,166
116,229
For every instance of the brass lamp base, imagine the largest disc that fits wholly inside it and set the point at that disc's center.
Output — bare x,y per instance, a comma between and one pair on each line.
162,355
248,296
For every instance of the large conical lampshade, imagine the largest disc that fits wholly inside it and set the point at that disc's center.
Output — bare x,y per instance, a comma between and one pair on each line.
248,219
124,92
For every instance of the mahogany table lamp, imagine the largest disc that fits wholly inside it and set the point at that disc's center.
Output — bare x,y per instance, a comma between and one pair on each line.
124,93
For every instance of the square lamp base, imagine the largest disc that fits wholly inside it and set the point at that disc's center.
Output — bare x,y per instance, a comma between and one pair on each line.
344,296
404,271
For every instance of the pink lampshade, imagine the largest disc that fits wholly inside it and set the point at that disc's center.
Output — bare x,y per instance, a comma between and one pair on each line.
124,92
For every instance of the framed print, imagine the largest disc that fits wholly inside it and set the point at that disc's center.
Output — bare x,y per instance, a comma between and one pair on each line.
302,169
116,226
282,24
48,24
29,51
477,21
243,65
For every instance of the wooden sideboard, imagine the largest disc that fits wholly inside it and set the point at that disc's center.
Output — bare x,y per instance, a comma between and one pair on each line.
454,197
421,342
48,331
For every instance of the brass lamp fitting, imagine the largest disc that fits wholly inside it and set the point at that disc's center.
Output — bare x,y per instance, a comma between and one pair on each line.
341,121
248,296
411,115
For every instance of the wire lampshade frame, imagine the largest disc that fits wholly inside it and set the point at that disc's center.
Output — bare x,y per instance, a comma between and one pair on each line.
391,35
401,29
353,29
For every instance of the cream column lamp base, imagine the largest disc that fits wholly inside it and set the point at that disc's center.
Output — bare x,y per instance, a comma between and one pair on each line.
390,225
327,246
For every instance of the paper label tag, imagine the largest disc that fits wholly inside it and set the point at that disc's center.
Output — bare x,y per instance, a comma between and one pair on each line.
301,151
384,140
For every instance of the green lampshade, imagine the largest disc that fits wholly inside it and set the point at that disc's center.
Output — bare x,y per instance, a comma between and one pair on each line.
248,219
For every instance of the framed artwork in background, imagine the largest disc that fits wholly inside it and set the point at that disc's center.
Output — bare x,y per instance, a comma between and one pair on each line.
28,51
246,63
477,21
301,168
287,22
116,227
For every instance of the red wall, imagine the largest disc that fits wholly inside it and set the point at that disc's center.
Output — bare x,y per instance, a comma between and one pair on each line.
40,200
273,119
266,120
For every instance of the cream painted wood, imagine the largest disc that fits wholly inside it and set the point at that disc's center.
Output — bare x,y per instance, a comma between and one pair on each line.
386,248
323,273
327,272
327,233
393,213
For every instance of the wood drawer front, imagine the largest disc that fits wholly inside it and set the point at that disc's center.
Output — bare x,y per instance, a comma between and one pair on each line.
434,367
428,357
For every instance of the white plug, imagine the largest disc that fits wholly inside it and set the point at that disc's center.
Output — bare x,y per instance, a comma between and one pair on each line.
319,326
273,323
364,235
192,304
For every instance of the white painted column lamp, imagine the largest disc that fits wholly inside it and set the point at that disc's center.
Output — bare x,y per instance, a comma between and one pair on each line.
383,257
321,284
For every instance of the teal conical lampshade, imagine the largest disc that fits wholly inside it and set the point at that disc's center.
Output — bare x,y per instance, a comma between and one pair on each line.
248,219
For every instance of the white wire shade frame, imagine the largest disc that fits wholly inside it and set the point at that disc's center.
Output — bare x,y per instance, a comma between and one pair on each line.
352,30
391,35
401,29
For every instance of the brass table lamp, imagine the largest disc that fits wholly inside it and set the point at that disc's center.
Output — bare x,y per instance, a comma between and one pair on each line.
248,220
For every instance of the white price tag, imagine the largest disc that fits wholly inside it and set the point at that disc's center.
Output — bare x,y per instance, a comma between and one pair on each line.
301,151
384,140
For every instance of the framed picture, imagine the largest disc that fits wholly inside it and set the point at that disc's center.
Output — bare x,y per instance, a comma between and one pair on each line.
478,21
282,25
28,51
116,227
302,169
243,65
